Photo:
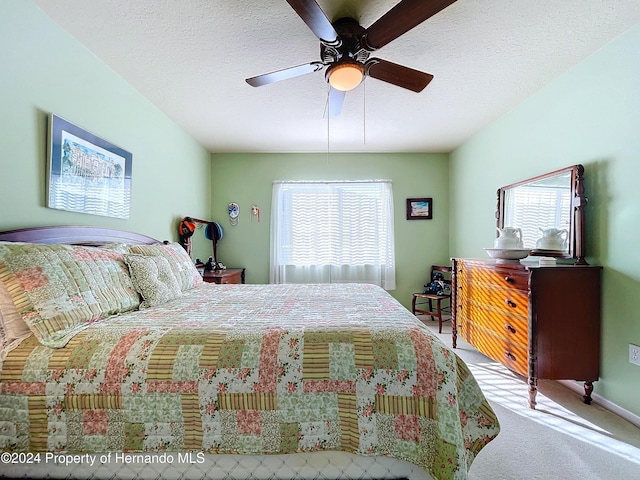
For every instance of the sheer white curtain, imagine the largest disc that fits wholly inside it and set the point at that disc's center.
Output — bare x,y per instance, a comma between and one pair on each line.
333,232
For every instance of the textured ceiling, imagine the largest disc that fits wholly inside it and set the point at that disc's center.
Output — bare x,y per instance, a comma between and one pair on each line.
191,57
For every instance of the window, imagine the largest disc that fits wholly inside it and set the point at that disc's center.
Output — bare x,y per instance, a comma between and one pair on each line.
332,232
546,206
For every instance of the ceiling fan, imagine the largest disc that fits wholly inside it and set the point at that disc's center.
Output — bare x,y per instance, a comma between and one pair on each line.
345,47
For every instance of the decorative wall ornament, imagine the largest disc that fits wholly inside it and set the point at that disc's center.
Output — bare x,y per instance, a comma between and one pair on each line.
255,212
234,213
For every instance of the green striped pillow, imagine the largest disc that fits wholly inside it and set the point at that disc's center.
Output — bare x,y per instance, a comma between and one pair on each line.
60,290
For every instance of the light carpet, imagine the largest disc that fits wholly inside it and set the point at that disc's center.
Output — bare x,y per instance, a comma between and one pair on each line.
561,439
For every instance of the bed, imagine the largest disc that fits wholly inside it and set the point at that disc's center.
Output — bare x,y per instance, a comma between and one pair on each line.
117,359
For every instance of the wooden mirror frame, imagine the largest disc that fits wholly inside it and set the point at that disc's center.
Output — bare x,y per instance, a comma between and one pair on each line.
576,240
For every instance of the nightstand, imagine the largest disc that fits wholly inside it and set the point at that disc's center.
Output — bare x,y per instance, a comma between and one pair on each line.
230,275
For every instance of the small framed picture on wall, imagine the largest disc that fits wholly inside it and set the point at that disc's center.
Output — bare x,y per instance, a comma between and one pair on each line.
419,208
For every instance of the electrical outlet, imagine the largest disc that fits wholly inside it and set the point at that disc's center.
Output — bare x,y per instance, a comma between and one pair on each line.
634,354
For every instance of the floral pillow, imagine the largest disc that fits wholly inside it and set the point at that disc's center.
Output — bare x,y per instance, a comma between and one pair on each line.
179,261
60,290
153,279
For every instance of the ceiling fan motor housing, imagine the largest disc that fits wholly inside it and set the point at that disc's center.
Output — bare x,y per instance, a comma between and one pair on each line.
348,46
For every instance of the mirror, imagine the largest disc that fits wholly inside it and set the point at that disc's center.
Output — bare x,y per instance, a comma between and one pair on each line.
549,210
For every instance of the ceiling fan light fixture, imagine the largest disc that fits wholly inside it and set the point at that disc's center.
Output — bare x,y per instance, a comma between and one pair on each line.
345,75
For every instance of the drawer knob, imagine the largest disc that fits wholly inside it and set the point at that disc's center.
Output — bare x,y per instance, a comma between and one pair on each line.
510,356
510,328
510,303
509,279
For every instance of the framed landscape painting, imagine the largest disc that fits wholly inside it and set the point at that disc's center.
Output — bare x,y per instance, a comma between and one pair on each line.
419,208
86,173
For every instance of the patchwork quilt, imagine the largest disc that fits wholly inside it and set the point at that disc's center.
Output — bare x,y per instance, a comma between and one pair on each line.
251,369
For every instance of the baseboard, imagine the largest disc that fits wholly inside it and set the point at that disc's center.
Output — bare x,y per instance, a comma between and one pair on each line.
612,407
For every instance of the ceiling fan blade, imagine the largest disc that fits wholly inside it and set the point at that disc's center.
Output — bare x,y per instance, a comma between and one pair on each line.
284,74
334,102
399,75
316,20
400,19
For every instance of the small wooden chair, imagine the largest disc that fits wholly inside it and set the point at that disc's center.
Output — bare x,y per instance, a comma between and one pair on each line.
429,298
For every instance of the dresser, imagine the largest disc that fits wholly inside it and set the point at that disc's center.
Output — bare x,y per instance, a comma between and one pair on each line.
540,322
230,275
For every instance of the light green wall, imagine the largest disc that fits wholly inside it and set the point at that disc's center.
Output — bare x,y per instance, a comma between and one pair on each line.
590,115
247,179
44,70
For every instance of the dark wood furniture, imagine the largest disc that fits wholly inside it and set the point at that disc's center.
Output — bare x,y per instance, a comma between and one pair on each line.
419,299
540,322
230,275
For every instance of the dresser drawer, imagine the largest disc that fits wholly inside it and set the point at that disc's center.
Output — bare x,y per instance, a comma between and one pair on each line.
510,328
230,275
234,278
506,301
494,276
512,356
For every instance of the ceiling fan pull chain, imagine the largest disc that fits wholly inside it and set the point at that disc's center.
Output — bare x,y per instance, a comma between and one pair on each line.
328,121
364,111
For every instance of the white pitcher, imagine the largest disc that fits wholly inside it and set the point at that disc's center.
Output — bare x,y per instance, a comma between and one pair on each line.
553,239
508,238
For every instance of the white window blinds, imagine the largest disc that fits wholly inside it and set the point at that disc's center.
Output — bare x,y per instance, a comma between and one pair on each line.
333,232
546,207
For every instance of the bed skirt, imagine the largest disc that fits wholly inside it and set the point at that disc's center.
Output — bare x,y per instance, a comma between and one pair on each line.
172,465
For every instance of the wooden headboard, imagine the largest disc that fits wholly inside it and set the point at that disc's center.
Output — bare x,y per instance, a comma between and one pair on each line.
75,235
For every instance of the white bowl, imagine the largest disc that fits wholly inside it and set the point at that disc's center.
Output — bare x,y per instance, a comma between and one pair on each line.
511,255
